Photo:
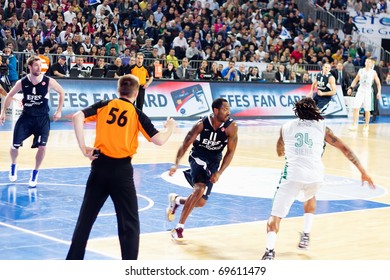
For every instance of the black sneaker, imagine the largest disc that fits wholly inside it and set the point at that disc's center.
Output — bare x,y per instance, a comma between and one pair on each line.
304,242
269,255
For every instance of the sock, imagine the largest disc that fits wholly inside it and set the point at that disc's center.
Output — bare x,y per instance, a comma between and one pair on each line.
13,168
271,240
34,174
177,200
308,222
180,226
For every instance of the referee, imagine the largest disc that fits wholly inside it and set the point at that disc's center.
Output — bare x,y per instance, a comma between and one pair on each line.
145,78
118,123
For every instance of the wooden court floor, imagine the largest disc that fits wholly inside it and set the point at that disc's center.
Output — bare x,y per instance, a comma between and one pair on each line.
352,235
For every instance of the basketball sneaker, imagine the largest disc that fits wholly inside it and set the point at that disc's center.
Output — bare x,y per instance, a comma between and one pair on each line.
33,179
353,127
177,235
269,255
365,128
13,173
172,206
304,242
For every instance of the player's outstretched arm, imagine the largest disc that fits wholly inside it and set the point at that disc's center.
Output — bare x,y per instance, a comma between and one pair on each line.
188,140
162,136
349,154
280,145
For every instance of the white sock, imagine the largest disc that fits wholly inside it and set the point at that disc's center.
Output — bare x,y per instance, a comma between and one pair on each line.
177,200
308,222
271,240
180,226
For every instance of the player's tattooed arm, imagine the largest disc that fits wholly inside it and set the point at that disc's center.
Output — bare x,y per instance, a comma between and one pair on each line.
349,154
188,140
336,142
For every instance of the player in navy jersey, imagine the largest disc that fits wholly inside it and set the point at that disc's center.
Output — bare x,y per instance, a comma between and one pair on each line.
326,88
34,119
208,137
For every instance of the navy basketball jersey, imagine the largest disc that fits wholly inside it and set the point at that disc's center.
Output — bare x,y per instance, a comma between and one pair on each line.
323,82
35,97
210,143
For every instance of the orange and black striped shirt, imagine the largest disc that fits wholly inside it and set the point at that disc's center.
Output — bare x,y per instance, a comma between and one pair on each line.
141,72
118,123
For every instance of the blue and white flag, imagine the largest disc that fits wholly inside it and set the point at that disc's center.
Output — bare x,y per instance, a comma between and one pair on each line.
285,34
93,2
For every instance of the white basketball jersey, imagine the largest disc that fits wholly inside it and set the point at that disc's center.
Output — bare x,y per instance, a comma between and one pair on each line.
366,79
304,144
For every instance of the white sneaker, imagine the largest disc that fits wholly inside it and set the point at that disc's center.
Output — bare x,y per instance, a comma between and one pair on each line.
172,206
13,173
365,128
353,127
33,179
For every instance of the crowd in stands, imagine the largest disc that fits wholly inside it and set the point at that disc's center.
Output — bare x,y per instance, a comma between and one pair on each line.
107,34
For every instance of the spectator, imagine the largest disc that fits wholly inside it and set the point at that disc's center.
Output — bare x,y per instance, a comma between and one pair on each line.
215,72
141,38
269,73
202,71
170,72
12,64
182,71
306,78
105,7
349,27
69,15
64,35
79,64
293,78
254,75
100,64
281,75
230,73
125,57
70,55
151,27
242,72
180,45
192,52
116,66
23,12
60,68
112,44
9,39
342,78
172,58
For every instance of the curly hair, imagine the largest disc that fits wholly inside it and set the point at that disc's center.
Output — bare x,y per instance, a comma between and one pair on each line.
306,109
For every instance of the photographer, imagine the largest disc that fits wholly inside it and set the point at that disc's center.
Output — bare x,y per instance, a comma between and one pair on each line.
4,72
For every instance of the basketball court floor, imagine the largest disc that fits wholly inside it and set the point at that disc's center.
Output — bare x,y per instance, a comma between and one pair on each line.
352,222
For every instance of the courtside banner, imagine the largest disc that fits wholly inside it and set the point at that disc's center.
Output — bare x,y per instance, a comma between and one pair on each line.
194,98
384,101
